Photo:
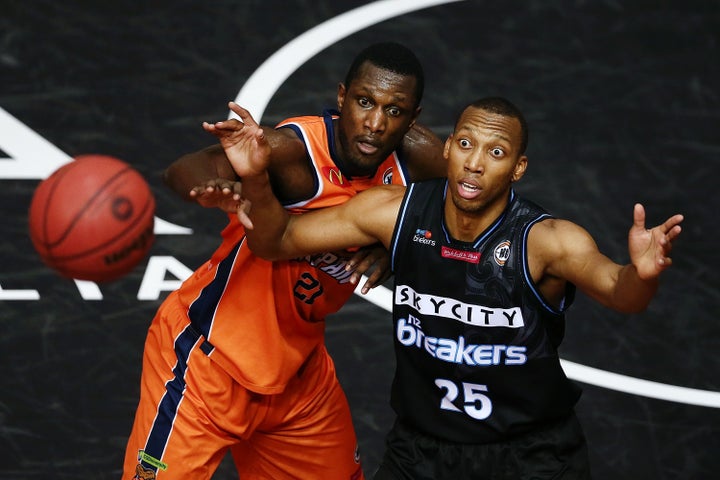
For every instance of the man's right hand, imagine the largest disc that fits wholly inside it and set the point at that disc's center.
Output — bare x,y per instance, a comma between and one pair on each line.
244,142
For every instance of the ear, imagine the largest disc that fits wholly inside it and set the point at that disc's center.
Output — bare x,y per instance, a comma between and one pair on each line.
446,149
520,168
416,114
341,95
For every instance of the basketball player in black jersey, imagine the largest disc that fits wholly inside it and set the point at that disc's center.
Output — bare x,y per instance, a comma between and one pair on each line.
482,281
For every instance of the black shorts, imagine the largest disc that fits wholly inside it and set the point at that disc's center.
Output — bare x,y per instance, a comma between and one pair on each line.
557,451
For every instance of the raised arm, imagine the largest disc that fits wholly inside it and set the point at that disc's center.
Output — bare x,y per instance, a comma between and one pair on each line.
207,177
562,250
274,234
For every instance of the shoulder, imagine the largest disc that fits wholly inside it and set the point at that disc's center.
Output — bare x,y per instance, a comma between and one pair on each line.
380,194
381,201
423,150
553,238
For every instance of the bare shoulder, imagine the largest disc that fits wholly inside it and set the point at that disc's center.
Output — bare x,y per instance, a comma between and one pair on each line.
379,203
285,144
381,194
556,244
290,171
424,152
556,233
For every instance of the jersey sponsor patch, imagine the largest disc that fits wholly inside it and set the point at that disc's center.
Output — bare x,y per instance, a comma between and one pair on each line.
446,307
464,255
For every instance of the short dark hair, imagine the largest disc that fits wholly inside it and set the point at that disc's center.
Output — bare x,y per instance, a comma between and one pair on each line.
390,56
506,108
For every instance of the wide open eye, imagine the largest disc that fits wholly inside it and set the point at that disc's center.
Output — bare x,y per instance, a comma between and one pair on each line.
394,111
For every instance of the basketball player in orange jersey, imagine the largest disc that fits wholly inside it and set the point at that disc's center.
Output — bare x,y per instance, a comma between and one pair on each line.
235,358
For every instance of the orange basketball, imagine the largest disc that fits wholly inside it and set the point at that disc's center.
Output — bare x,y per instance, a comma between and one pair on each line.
93,218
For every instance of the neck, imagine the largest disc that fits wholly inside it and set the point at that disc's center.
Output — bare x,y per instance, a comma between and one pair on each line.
467,226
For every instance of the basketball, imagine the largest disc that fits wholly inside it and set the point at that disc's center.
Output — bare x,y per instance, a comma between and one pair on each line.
93,219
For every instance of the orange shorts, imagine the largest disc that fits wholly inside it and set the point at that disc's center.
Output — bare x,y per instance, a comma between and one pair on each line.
191,413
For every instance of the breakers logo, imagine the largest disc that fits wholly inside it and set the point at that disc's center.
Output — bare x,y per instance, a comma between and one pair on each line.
334,176
331,264
410,333
469,313
424,237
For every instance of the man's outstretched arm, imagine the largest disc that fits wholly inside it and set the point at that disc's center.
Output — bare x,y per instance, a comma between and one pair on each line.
274,234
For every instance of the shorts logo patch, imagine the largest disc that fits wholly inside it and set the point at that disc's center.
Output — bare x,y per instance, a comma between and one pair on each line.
142,473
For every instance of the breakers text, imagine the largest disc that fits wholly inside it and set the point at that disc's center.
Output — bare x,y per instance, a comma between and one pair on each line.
410,334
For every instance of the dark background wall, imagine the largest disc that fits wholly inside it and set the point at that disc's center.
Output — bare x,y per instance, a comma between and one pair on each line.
623,104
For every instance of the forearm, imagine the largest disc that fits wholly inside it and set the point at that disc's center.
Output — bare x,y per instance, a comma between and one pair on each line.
194,169
631,293
269,217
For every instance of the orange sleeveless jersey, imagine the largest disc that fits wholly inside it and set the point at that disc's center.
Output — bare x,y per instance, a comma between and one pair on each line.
262,319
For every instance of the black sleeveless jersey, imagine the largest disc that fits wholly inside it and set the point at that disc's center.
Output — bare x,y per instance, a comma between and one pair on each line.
475,343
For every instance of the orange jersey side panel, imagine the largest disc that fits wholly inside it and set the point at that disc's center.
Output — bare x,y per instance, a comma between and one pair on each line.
262,319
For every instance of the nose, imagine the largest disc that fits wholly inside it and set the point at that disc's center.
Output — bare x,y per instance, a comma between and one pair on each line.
474,163
375,120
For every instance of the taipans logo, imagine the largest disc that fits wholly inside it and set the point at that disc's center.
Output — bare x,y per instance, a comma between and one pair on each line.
387,176
424,237
502,252
335,176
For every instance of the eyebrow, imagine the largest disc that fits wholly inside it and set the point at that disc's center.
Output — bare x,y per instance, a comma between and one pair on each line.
474,130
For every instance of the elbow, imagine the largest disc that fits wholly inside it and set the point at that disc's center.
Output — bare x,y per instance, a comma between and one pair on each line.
263,250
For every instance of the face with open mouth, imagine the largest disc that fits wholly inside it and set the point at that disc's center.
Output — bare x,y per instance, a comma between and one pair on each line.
484,159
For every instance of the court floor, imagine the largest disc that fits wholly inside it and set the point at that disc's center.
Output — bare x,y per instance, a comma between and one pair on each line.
623,106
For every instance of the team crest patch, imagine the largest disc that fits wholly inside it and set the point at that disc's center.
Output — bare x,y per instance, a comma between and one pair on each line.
387,176
502,252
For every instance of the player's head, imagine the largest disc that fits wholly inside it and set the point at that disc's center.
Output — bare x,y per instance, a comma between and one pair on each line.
393,57
378,102
505,108
486,154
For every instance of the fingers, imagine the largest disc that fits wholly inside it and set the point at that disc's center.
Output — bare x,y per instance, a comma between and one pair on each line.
377,277
242,213
244,115
373,262
672,225
639,216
